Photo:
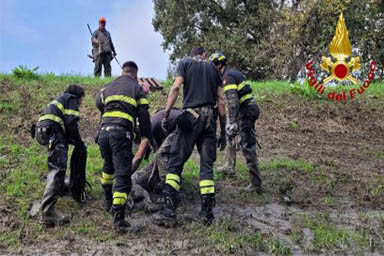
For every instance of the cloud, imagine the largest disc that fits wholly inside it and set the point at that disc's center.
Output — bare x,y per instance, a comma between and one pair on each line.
135,38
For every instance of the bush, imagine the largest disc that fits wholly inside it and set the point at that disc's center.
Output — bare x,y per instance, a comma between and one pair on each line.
25,73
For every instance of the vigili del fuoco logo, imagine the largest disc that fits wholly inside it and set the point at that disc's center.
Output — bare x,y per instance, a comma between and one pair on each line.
340,69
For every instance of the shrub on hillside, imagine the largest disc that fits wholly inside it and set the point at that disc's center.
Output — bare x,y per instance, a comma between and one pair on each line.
25,73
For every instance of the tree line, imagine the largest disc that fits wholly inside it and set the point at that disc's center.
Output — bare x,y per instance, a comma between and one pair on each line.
270,39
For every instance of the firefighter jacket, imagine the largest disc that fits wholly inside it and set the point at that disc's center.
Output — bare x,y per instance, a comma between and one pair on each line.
122,102
62,114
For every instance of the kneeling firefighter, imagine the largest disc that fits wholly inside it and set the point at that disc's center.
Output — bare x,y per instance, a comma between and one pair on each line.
57,128
243,112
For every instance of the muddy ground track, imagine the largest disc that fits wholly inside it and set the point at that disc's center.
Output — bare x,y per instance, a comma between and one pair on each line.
335,137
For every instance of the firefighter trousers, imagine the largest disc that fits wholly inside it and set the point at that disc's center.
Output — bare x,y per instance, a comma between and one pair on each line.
116,149
57,166
203,135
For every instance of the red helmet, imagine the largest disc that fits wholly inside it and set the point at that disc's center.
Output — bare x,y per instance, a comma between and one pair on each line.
102,19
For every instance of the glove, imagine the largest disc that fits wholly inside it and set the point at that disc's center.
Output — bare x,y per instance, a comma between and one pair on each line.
232,130
165,125
222,142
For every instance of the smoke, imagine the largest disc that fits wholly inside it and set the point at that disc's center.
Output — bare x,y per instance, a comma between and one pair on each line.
135,39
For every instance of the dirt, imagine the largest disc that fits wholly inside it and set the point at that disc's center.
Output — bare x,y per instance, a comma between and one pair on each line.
343,141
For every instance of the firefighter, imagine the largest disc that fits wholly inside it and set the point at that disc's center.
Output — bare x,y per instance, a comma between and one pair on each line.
57,128
120,103
150,179
243,112
196,125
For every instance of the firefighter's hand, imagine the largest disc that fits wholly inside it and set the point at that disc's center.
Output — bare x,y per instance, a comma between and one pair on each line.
222,142
114,54
232,130
165,125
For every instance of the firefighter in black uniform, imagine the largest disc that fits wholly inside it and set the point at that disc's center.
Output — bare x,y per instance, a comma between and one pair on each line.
57,128
120,103
243,112
195,126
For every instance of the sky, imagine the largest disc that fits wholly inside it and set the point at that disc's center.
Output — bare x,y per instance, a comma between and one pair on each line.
53,35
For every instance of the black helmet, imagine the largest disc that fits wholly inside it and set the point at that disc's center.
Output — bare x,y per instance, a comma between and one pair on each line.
218,58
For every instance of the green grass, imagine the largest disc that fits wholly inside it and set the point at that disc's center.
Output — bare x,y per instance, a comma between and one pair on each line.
23,165
328,235
229,238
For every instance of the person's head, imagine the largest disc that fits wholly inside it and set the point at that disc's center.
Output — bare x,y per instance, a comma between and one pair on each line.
130,68
219,60
102,23
77,91
198,51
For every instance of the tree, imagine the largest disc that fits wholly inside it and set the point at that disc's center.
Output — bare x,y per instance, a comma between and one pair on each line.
232,26
269,39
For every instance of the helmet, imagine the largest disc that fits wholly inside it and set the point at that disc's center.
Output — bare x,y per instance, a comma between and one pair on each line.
218,58
102,19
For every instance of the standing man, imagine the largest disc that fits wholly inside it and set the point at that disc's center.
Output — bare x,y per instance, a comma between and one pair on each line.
103,49
57,128
120,103
196,126
243,112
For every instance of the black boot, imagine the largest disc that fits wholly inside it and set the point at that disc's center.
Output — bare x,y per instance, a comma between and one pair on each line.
207,204
119,223
167,216
107,196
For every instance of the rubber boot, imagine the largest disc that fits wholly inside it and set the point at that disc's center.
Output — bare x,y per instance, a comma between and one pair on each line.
207,204
66,191
107,196
119,223
52,217
167,216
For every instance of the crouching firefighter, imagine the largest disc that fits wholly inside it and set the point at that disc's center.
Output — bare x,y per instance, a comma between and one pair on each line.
57,128
120,103
151,178
243,112
196,125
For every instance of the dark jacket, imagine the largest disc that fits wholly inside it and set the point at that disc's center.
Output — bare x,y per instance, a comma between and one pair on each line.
121,102
62,114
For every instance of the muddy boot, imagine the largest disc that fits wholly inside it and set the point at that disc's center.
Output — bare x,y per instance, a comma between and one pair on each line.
119,223
227,171
107,196
52,217
229,168
206,213
255,184
167,216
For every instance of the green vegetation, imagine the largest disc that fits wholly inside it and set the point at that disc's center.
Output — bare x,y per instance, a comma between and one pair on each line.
229,238
25,73
328,235
315,182
270,39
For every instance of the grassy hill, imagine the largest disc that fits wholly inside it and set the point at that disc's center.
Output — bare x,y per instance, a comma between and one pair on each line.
322,164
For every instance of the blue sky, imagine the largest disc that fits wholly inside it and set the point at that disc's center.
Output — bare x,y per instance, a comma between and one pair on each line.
53,35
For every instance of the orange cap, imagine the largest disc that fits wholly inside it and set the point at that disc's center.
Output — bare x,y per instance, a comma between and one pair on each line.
102,19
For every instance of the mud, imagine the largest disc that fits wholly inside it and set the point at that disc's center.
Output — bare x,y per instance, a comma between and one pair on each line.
343,142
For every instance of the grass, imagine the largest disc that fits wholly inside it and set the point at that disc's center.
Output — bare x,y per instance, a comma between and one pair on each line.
229,238
23,170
